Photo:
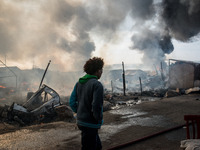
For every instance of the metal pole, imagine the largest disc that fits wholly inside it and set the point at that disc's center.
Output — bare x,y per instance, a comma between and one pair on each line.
44,73
140,86
123,77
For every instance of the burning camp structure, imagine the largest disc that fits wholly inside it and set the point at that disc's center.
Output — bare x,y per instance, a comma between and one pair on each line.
41,106
137,80
179,74
183,74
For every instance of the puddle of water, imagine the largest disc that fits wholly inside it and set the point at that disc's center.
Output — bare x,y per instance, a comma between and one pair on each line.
153,121
127,111
134,117
108,130
120,104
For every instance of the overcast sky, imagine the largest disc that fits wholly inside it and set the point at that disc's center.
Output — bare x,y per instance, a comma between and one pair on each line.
69,32
186,51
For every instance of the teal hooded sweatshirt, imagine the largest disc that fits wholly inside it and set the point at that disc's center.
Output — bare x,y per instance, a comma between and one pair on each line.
84,115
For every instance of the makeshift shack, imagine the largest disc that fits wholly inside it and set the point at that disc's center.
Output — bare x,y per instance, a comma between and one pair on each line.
183,74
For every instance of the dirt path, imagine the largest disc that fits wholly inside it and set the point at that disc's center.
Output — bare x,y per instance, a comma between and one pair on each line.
122,125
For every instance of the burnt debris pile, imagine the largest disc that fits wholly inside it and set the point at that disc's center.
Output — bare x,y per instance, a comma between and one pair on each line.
43,106
46,105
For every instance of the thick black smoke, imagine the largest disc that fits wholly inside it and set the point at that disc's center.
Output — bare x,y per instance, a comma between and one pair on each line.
148,39
182,18
150,36
162,22
153,45
142,10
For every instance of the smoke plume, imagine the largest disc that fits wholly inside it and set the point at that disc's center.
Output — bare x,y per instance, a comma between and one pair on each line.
64,31
182,18
164,21
37,31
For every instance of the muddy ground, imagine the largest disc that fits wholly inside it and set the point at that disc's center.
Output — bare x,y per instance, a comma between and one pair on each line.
123,124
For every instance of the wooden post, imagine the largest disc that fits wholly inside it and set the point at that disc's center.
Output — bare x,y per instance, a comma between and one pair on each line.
155,69
169,72
161,69
112,86
123,77
140,86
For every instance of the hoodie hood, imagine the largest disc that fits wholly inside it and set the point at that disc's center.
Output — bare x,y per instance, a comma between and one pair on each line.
85,78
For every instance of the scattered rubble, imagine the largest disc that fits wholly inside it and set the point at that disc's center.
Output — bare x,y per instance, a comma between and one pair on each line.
107,105
117,100
64,113
172,93
45,106
192,90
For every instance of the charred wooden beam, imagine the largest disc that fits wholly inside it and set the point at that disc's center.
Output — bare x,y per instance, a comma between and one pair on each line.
123,77
140,85
44,73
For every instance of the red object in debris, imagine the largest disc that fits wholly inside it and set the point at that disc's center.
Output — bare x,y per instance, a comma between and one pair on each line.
2,87
195,121
145,138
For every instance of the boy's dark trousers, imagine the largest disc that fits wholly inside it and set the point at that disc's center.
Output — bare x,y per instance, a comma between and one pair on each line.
90,139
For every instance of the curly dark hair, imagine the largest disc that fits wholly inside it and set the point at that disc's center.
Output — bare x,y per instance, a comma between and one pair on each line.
93,65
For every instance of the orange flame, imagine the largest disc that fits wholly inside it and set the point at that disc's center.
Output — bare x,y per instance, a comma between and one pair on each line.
12,91
2,87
